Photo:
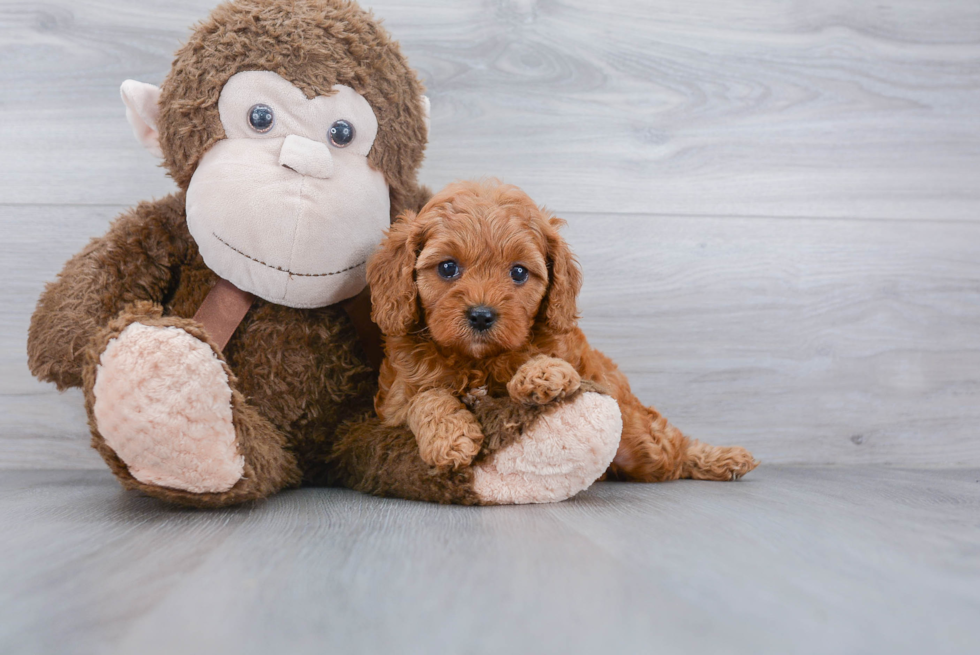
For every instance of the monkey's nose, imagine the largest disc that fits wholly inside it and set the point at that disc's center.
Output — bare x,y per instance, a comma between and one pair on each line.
481,318
306,157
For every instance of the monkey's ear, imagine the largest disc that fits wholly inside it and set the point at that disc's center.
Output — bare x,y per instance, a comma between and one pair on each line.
143,111
426,110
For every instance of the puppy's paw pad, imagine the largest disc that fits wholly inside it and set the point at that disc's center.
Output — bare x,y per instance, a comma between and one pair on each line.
543,380
163,404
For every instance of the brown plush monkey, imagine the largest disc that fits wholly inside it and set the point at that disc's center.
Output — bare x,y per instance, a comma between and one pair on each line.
294,130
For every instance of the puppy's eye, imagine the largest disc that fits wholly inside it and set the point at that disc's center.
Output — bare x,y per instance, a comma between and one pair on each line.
448,270
261,118
519,274
341,133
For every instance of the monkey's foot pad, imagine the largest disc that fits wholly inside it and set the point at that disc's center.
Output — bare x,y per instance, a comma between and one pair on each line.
561,454
163,404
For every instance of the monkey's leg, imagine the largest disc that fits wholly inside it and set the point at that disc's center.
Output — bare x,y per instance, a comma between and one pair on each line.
530,454
377,459
166,417
653,450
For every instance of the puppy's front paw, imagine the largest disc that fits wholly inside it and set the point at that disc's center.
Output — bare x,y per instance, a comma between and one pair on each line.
543,379
451,442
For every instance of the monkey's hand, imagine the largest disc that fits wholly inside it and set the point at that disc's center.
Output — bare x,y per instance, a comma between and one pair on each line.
135,259
543,379
447,433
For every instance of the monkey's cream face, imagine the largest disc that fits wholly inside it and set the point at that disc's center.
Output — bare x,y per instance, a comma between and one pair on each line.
287,206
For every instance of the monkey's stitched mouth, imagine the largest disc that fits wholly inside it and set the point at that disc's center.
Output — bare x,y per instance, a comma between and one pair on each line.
286,270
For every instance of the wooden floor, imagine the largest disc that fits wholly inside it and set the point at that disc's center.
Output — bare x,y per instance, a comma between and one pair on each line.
790,560
777,209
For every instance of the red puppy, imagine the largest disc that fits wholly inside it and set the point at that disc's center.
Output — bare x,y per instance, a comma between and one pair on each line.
478,291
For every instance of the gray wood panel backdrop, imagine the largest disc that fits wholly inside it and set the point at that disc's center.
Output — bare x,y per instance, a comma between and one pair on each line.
775,203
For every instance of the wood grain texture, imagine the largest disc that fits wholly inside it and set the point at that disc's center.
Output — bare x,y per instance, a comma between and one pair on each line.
808,560
776,204
821,341
683,108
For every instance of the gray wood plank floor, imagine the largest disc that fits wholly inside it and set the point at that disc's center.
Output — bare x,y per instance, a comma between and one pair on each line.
790,560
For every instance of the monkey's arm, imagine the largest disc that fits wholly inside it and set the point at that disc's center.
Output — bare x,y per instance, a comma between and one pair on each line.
135,260
422,196
411,198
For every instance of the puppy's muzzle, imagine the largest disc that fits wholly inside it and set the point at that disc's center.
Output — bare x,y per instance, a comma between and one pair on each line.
481,318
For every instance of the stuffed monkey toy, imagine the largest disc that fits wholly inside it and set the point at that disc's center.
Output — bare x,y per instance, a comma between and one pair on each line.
222,335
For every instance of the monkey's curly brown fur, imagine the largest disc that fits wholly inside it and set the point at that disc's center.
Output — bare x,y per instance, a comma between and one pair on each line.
533,352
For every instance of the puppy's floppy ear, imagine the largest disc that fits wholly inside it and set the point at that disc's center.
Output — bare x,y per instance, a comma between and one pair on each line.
391,274
558,308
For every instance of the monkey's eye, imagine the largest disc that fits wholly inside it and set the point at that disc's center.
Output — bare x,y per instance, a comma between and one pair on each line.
261,118
519,274
448,270
341,133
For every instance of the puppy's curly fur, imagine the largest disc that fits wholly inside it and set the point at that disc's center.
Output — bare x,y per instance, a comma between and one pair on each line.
476,294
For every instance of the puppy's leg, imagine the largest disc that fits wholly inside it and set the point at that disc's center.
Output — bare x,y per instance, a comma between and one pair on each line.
543,379
723,463
653,450
447,433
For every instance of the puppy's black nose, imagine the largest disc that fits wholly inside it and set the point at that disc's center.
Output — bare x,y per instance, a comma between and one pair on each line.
481,318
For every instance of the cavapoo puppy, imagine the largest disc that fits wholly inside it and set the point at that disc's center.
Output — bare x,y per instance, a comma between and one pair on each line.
476,295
